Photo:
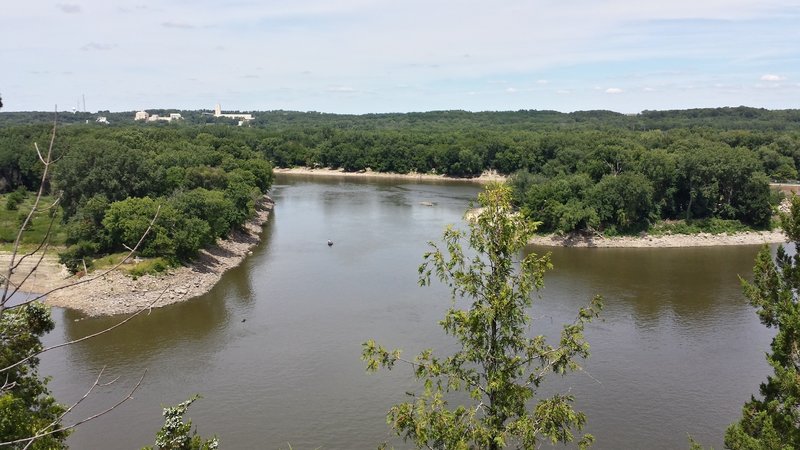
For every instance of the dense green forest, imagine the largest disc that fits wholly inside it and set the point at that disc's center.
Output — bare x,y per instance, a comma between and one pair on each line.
592,171
738,118
113,180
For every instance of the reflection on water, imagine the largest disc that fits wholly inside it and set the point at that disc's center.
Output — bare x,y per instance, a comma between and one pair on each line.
274,348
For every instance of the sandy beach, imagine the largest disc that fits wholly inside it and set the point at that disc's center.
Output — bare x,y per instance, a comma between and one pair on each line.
118,293
486,177
666,241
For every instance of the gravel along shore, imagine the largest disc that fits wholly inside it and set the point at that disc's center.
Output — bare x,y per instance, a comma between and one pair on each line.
486,177
672,240
118,293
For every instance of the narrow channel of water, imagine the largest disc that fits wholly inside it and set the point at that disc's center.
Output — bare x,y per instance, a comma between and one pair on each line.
274,348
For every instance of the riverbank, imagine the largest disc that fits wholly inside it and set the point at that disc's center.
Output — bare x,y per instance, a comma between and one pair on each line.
485,177
553,240
664,241
118,293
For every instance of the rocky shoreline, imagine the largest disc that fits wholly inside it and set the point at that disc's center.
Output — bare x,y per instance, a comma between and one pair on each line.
485,177
665,241
117,293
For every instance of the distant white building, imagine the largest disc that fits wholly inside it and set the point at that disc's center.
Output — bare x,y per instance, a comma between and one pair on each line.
103,120
242,117
143,115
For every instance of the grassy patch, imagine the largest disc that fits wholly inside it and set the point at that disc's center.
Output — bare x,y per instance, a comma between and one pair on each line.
109,261
711,226
11,220
150,267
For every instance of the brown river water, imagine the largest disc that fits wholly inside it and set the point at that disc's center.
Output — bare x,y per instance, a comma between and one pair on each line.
274,348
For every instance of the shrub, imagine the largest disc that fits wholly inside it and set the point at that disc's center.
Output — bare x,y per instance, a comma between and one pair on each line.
14,199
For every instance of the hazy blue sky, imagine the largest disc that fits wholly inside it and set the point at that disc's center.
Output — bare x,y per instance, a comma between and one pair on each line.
358,56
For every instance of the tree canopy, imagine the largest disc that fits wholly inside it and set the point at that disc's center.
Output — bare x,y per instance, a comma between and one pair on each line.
772,421
497,365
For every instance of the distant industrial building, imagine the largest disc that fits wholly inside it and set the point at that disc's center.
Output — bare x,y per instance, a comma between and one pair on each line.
241,117
143,115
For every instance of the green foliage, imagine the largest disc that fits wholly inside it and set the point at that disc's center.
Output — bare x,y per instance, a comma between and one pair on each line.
152,266
213,206
15,198
177,434
103,167
78,256
710,226
87,223
624,201
207,181
39,226
26,406
173,234
497,364
771,421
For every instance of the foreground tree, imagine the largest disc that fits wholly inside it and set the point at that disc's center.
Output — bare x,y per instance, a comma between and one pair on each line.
773,422
497,365
26,406
179,435
30,418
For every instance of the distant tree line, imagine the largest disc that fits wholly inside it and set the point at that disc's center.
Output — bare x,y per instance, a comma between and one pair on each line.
728,118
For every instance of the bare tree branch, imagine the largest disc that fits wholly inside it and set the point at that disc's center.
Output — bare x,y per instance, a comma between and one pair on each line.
73,406
147,307
101,275
82,421
10,288
5,297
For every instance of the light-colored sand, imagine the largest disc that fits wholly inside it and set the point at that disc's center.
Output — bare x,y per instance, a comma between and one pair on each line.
117,293
675,240
48,275
485,177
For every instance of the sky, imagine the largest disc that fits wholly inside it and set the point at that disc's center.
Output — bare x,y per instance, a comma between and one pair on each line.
363,56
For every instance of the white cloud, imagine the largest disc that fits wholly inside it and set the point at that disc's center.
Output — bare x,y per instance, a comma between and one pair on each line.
649,89
354,43
178,25
563,91
614,91
97,46
342,89
511,90
69,8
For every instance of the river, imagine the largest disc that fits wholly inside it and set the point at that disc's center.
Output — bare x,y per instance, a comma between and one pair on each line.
274,348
